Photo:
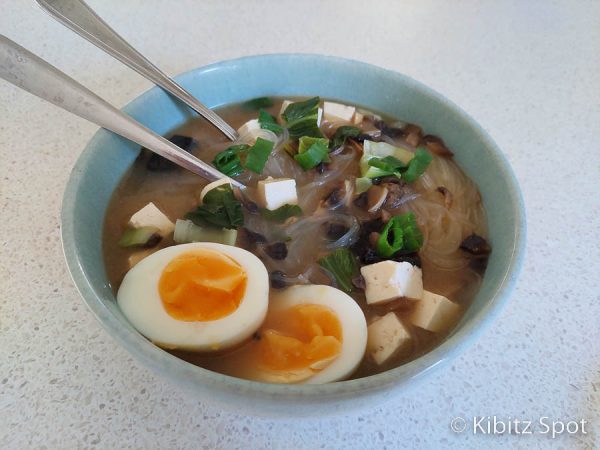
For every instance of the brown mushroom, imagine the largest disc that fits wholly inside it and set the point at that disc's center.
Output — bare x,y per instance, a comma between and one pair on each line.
397,192
476,245
413,133
436,145
376,196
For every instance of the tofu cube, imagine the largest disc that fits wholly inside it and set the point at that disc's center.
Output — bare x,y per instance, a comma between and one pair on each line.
358,118
434,312
336,112
252,126
276,192
388,280
386,337
151,216
287,103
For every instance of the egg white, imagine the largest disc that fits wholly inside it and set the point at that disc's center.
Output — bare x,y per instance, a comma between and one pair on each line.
139,300
354,332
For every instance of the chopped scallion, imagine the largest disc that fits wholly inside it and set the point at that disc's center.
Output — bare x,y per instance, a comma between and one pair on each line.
219,208
258,155
312,151
140,237
268,122
229,162
417,165
401,233
302,118
341,134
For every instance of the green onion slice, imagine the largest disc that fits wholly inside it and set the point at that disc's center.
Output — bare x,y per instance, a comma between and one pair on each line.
268,122
258,155
312,151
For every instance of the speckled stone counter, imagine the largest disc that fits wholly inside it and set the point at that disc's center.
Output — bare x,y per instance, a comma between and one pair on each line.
527,71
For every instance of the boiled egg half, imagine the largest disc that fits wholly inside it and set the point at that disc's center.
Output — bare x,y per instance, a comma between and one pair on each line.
312,334
196,297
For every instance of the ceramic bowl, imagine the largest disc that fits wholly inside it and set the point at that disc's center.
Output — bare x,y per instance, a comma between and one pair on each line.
107,157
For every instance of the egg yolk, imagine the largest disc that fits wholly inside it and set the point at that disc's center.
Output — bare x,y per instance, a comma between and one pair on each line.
202,285
305,336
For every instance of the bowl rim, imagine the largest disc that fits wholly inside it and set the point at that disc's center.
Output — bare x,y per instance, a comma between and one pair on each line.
163,362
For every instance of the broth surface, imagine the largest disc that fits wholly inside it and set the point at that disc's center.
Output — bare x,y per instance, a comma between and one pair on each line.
446,270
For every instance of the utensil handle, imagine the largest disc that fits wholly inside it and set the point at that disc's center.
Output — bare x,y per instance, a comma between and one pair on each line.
79,17
31,73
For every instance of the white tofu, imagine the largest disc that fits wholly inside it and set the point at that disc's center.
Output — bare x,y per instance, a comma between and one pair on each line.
287,103
136,257
388,280
252,127
276,192
358,118
386,337
434,312
210,186
336,112
151,216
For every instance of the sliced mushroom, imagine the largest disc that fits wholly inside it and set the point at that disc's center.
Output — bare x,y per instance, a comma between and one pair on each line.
413,134
476,245
376,196
396,194
447,196
392,132
436,145
339,196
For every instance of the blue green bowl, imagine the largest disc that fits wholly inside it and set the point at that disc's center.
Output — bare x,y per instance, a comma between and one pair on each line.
107,157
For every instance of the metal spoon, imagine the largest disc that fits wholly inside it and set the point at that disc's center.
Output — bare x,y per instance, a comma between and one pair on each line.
79,17
31,73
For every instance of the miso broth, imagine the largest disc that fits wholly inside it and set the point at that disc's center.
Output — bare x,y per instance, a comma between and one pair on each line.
445,202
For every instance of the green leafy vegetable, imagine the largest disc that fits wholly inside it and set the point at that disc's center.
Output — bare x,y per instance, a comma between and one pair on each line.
341,134
229,161
268,122
417,165
140,237
187,231
282,213
388,164
401,233
258,155
362,184
342,264
312,151
381,159
258,103
374,150
219,208
302,118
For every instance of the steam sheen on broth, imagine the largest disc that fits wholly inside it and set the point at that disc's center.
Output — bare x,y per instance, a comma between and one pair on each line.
445,202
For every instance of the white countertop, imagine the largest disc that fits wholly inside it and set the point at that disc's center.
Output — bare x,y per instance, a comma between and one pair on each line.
527,71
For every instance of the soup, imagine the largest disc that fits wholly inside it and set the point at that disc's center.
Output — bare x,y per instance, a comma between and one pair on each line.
356,247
